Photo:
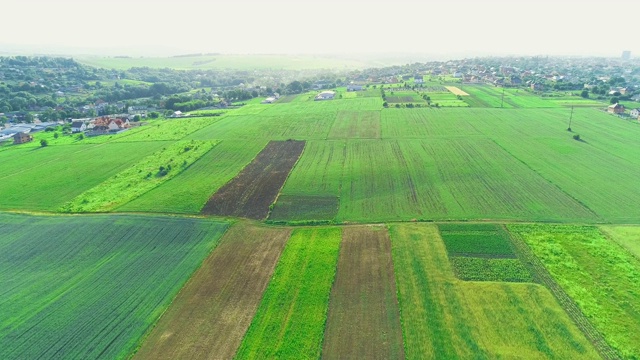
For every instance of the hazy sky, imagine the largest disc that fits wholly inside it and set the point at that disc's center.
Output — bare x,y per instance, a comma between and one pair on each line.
137,27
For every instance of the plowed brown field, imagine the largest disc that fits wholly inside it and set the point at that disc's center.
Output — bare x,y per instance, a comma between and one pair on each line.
211,314
250,194
364,319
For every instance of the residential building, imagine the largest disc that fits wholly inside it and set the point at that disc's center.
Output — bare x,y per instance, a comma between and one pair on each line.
21,138
616,109
326,95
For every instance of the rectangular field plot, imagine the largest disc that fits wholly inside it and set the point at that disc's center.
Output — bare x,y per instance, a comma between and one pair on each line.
290,320
356,124
456,91
474,241
211,314
190,190
256,187
446,179
443,317
300,208
66,171
490,269
364,298
601,277
90,287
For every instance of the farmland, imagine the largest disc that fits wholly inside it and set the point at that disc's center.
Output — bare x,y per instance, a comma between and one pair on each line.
598,274
364,298
89,287
374,232
213,311
290,320
445,317
251,193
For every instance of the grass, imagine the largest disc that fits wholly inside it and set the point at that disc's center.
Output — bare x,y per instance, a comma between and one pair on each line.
212,312
138,179
443,317
598,274
189,190
627,236
44,179
91,286
289,323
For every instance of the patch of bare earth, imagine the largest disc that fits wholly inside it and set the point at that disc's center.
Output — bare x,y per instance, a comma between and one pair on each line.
364,317
250,194
211,314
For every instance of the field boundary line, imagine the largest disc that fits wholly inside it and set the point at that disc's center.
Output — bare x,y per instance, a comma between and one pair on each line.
542,275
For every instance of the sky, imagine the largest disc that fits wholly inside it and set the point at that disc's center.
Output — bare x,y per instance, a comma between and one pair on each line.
462,27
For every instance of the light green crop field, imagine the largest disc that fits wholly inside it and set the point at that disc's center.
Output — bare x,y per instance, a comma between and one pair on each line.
140,178
627,236
47,178
289,323
443,317
91,286
599,275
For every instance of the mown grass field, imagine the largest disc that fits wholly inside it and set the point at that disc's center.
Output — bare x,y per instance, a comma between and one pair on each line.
291,317
91,286
443,317
598,274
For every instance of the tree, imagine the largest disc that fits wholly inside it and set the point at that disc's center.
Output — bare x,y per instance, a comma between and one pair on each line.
80,136
137,118
154,115
44,143
585,94
56,135
385,104
614,100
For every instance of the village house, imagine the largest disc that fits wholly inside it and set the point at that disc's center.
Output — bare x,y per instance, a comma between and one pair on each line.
635,113
21,138
78,126
616,109
353,87
537,87
325,95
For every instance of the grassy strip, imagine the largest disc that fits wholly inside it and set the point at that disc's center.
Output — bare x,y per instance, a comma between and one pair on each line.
290,321
139,178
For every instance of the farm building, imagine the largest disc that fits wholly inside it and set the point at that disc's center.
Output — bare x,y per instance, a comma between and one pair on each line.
616,109
78,126
353,87
326,95
418,79
269,100
635,112
21,138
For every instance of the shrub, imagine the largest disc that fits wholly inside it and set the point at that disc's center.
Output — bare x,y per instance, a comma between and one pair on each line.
44,143
576,137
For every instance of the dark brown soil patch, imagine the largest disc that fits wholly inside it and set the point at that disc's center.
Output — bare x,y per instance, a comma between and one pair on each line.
250,194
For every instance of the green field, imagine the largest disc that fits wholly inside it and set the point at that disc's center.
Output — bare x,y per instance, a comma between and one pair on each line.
290,321
91,286
598,274
443,317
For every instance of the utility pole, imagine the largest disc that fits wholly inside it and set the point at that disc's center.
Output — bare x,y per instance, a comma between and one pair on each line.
570,117
502,99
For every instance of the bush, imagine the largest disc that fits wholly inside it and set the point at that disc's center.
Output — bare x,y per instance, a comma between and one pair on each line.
44,143
576,137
